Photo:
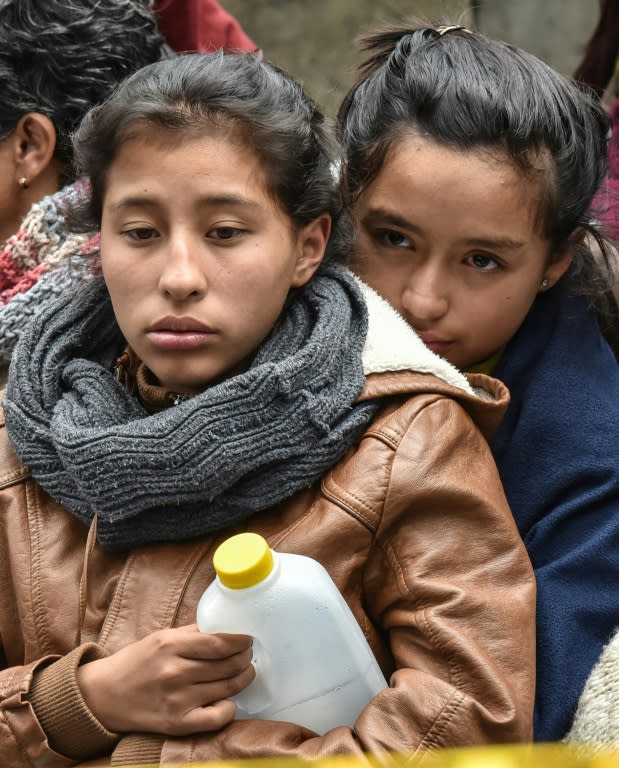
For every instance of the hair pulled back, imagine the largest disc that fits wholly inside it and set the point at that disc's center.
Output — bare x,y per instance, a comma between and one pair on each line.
468,92
61,57
241,96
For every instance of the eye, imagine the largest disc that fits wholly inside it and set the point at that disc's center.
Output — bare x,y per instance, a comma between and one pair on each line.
225,233
483,262
140,233
392,238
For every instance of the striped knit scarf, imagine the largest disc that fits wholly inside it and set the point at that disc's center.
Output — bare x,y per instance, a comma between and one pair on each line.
36,263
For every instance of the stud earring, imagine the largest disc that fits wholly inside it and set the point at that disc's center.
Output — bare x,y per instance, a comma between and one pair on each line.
23,182
545,282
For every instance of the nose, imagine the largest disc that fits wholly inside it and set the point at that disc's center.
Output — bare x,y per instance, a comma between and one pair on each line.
183,274
424,298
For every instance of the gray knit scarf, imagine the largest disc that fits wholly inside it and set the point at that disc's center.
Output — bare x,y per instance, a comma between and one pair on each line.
208,463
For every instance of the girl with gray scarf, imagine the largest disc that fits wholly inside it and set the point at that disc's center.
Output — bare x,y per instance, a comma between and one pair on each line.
216,373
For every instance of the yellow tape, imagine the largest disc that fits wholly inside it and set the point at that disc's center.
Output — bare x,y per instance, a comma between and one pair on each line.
521,756
525,756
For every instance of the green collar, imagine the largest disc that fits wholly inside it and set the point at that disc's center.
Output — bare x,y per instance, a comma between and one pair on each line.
488,365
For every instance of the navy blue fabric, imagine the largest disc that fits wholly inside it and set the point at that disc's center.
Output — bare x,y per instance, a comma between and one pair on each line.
558,454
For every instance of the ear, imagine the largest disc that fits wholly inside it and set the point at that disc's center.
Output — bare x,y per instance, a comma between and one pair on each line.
34,142
311,242
561,260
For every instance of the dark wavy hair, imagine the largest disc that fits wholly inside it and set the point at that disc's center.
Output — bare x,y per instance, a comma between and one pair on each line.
468,92
61,57
240,96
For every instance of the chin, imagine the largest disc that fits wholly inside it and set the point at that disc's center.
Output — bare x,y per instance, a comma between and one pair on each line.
182,385
191,380
186,386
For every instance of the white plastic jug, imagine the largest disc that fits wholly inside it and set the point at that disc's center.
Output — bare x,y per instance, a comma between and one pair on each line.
313,664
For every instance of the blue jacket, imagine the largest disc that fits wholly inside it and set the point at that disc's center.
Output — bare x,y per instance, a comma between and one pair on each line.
558,453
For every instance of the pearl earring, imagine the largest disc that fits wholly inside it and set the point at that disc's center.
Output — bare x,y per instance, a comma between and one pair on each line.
545,282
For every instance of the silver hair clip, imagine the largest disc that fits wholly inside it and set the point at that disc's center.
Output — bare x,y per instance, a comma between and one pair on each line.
454,27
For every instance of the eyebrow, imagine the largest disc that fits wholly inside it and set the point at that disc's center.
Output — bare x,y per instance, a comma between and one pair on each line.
144,201
496,243
385,216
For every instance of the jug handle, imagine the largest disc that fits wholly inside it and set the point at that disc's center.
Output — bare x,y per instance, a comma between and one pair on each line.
258,695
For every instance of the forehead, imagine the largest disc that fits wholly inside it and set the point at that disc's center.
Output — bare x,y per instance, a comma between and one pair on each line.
192,138
461,188
164,160
413,158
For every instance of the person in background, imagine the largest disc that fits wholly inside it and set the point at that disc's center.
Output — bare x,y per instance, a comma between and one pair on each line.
201,25
472,166
57,60
218,377
596,722
597,70
597,67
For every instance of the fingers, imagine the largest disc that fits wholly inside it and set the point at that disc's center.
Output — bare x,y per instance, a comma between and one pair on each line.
186,656
222,688
168,682
190,643
202,706
210,718
221,645
194,671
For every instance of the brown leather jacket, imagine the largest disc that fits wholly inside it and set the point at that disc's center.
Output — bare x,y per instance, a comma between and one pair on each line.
413,527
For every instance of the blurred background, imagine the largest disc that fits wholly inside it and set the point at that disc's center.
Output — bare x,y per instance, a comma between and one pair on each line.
314,39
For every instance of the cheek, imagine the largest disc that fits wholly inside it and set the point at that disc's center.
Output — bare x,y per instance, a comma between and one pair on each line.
116,282
363,261
505,312
108,259
363,246
387,279
108,271
259,300
124,276
266,272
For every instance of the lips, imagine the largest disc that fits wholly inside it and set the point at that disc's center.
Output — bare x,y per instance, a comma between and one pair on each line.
432,338
175,324
179,333
436,343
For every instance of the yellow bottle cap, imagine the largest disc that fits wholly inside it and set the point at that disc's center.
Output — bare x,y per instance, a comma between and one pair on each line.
243,560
